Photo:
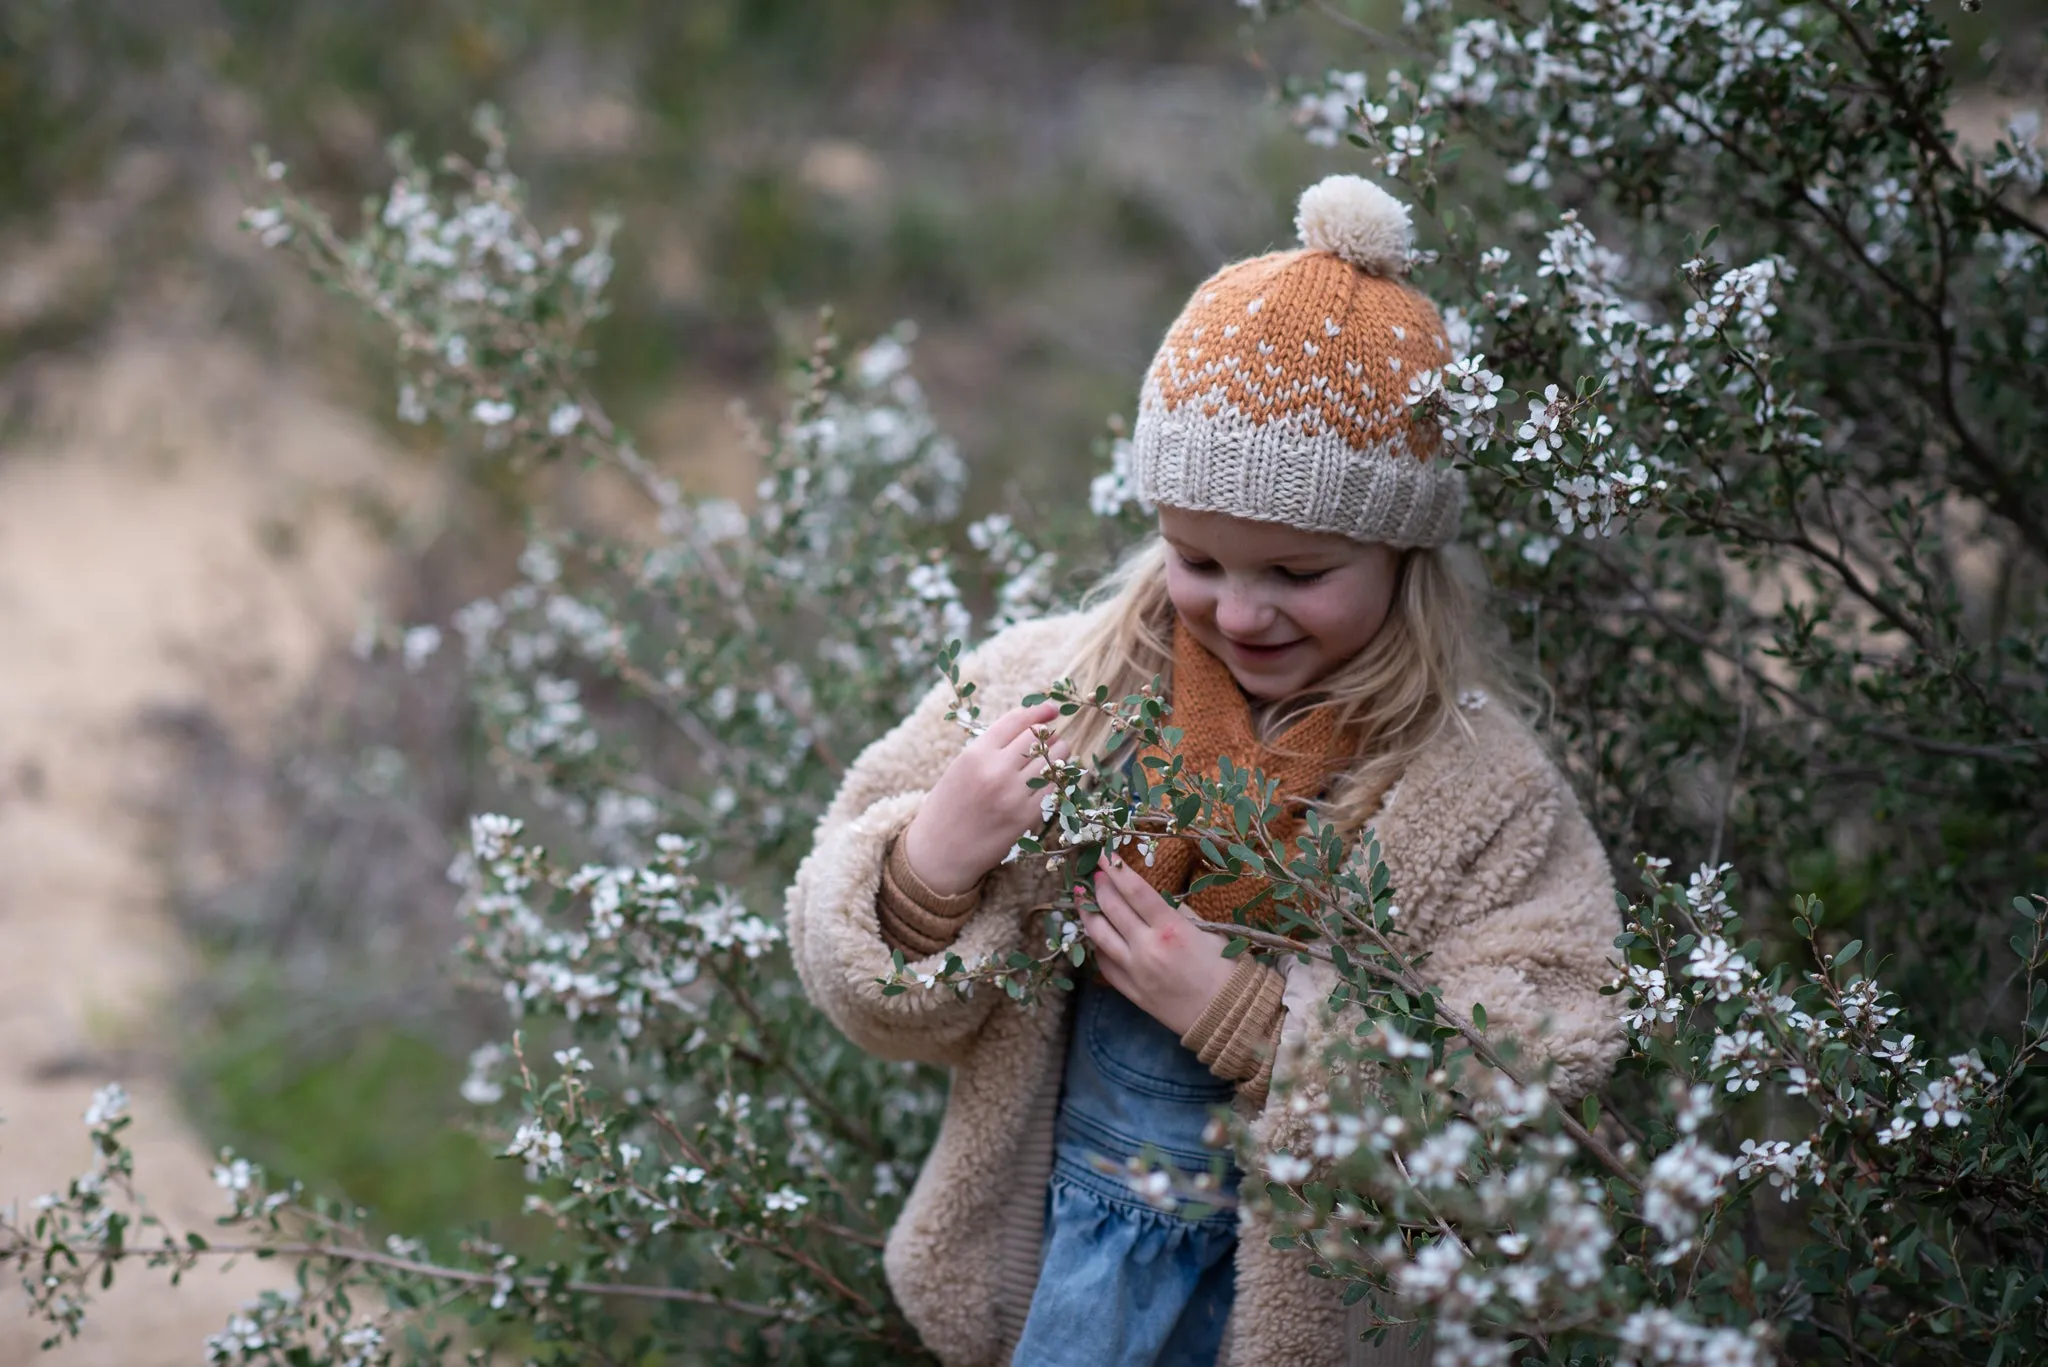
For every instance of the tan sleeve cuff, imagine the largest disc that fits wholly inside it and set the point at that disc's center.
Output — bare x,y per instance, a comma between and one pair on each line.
1239,1033
915,919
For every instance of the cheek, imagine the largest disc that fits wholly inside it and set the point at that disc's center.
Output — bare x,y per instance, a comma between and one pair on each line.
1344,616
1191,596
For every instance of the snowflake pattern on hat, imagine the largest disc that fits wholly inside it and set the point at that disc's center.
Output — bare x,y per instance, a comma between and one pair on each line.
1280,393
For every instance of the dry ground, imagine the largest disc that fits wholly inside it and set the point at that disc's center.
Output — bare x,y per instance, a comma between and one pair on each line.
174,533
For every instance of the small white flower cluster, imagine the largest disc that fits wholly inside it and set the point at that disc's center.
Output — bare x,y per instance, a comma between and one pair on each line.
1339,107
1658,1337
540,1146
1024,586
1941,1101
2020,161
109,1104
1684,1183
882,423
1115,490
280,1325
1787,1164
928,614
648,931
1744,297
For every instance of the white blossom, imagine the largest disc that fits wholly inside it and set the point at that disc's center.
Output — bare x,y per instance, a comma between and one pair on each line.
1784,1162
1941,1103
787,1199
1683,1182
109,1103
564,419
418,645
1716,964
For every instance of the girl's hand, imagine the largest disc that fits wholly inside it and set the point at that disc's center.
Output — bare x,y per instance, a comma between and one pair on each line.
981,804
1154,953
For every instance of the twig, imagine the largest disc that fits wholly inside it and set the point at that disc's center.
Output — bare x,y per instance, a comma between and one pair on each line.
1728,788
458,1276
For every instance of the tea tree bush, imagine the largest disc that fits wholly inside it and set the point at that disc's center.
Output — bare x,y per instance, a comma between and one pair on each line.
1765,505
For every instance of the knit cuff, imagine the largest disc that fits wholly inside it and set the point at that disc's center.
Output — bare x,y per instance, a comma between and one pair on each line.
1238,1034
913,918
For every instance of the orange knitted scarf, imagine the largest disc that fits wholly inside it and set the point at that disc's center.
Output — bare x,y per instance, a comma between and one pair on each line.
1215,719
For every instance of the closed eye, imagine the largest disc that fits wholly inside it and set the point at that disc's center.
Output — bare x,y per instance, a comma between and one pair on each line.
1300,576
1194,566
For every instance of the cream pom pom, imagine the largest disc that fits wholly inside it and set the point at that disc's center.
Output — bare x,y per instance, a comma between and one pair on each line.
1356,219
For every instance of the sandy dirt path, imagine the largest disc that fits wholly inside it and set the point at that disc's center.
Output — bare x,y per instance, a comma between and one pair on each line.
176,533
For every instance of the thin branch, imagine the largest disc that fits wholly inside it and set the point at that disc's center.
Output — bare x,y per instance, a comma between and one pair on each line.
453,1275
833,1115
2029,752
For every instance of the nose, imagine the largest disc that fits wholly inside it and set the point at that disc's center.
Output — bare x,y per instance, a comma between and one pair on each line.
1242,611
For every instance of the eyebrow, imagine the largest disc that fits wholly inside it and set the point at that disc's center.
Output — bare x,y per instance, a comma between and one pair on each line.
1327,557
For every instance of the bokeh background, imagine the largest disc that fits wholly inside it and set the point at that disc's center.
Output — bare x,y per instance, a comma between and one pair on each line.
225,804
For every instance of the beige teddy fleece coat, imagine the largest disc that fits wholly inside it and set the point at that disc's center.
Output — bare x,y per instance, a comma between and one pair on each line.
1495,870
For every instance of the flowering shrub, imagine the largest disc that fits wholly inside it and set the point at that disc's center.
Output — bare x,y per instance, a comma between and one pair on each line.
1787,603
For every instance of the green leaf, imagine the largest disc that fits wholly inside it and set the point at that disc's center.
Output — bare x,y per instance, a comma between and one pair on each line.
1589,1112
1847,952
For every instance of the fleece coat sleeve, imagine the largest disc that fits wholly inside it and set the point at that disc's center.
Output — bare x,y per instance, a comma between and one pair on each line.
1514,900
834,927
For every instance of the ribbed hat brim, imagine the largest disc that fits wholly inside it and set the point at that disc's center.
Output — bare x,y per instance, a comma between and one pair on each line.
1225,462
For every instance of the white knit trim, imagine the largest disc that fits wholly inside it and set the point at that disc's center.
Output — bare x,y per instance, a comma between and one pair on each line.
1283,471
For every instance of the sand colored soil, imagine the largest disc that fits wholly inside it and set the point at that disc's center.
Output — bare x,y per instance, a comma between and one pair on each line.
176,532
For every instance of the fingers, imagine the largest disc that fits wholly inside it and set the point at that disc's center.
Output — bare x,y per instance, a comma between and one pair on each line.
1118,907
1014,723
1109,941
1120,881
1023,751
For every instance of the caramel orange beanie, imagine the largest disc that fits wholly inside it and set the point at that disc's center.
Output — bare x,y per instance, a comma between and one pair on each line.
1281,392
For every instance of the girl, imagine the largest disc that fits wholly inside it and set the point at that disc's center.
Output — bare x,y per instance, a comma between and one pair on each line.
1297,607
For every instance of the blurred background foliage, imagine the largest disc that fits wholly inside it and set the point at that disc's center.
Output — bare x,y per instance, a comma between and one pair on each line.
1035,184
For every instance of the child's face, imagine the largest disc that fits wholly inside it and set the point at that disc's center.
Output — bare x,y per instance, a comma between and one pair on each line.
1282,608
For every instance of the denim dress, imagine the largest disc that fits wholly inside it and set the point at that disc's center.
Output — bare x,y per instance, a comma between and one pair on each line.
1121,1282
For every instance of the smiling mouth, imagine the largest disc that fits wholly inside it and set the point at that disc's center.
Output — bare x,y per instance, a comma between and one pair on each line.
1252,652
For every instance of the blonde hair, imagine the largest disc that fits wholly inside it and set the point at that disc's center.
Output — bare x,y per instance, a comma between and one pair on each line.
1395,696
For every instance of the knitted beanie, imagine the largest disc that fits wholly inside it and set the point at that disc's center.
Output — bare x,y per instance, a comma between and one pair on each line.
1281,392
